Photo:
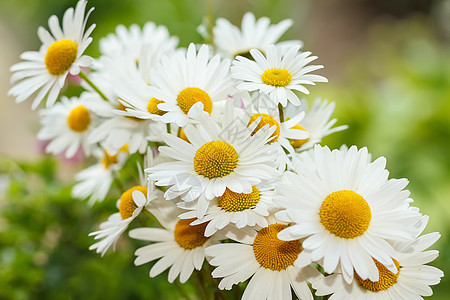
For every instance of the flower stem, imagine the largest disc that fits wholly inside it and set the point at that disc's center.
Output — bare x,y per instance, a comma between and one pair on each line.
280,112
181,290
88,81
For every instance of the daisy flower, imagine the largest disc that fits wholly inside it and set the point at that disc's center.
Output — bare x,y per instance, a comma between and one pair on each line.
130,205
94,182
410,281
347,211
254,34
178,245
269,260
119,128
68,123
133,52
217,158
238,208
316,122
277,73
285,131
186,79
60,54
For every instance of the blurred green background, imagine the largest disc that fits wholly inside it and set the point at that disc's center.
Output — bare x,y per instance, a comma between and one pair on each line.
388,66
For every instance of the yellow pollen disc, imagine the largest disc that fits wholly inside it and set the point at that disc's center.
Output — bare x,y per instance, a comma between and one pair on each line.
79,119
231,201
152,107
215,159
190,237
127,205
345,214
266,119
298,143
60,56
108,160
387,278
189,96
276,77
273,253
183,136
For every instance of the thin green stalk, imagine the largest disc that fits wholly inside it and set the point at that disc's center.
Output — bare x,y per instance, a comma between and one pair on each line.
168,128
214,282
151,216
200,282
280,112
88,81
181,290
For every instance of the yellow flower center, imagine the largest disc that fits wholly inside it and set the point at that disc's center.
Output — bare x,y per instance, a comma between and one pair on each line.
215,159
183,136
60,56
345,214
190,237
189,96
276,77
127,205
266,119
79,118
231,201
152,107
273,253
387,278
298,143
108,160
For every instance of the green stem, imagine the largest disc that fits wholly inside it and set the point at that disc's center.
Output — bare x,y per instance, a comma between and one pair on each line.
168,128
88,81
151,216
207,273
181,290
200,280
280,112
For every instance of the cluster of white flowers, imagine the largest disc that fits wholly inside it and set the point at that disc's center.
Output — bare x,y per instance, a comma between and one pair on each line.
231,154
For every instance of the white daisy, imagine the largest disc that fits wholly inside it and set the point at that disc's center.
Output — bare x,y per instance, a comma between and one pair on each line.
410,281
178,245
67,124
285,130
316,122
133,52
185,79
277,73
254,34
238,208
347,210
130,205
269,260
119,128
60,54
95,181
218,157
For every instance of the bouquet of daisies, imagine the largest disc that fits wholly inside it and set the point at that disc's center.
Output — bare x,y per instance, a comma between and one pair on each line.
232,182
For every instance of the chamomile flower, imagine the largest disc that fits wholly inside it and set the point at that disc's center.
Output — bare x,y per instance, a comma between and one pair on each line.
268,260
60,54
410,281
346,210
277,74
178,245
94,182
133,52
185,79
317,123
119,128
239,209
285,132
254,34
68,123
218,157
